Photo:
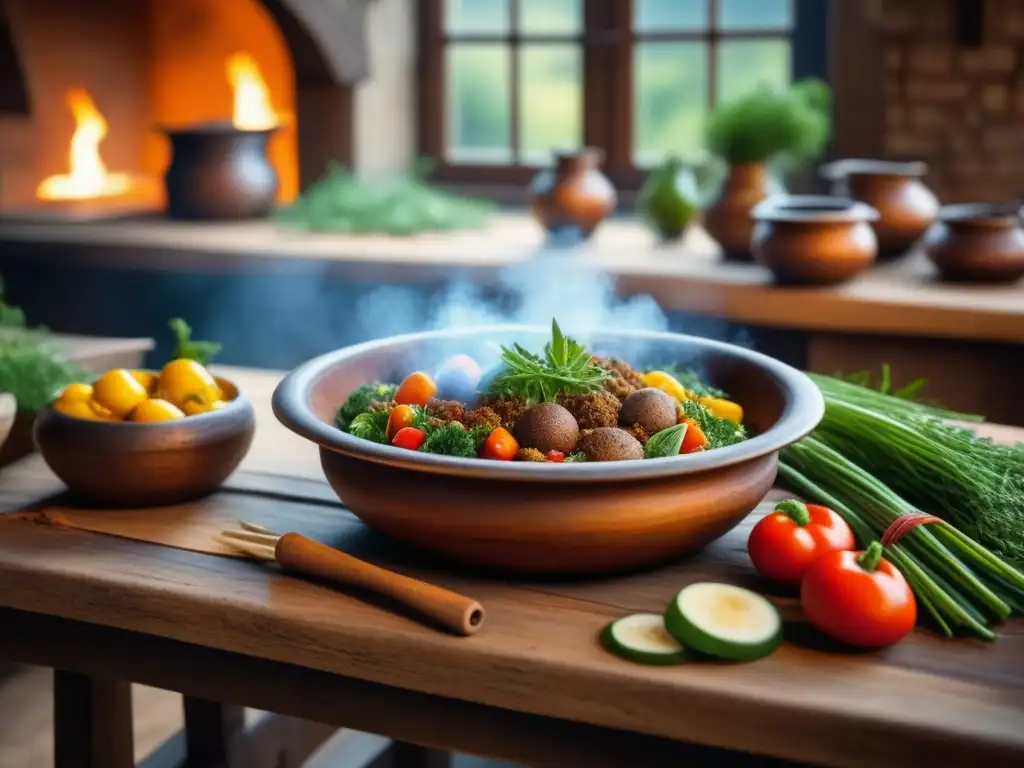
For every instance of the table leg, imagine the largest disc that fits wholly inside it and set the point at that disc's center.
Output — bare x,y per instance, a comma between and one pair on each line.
92,722
213,732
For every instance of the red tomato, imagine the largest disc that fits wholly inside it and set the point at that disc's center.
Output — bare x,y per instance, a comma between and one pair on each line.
401,416
500,445
694,439
409,437
415,389
858,598
556,456
785,544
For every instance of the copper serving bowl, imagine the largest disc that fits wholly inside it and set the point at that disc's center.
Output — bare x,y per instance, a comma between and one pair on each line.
126,464
977,243
551,518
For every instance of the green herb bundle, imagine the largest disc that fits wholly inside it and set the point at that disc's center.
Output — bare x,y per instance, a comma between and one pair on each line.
341,202
564,368
961,585
939,467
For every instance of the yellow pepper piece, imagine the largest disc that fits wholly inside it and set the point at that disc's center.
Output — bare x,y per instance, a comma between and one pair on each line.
76,392
82,409
666,383
182,380
723,409
195,407
147,379
119,392
156,410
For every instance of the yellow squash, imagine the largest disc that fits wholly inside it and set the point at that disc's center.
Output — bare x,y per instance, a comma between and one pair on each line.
723,409
156,410
667,383
184,380
119,392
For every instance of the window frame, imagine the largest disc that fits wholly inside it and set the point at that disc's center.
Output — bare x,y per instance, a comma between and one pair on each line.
607,40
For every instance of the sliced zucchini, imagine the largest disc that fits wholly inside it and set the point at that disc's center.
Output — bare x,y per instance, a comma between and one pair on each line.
642,638
724,621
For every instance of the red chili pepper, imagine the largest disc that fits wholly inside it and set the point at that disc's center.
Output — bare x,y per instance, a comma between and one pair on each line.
409,437
859,598
556,456
786,543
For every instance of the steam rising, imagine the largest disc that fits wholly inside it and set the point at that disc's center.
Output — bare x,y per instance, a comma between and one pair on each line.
549,286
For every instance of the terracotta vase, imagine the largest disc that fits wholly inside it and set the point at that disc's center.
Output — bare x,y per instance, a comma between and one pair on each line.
814,240
669,200
219,172
976,244
571,199
906,207
728,218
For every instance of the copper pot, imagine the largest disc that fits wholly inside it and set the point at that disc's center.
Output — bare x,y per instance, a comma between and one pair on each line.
976,244
906,207
728,218
571,199
218,171
814,240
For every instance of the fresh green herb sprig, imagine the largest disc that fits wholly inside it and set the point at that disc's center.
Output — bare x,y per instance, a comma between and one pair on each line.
718,431
576,457
564,368
186,347
668,442
451,439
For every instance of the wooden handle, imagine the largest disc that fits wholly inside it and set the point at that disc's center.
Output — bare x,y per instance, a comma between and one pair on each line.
459,614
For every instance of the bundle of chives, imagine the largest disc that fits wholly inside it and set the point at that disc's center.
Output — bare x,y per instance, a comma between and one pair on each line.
959,583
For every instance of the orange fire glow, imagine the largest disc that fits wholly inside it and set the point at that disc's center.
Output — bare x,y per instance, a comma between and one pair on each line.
87,175
252,110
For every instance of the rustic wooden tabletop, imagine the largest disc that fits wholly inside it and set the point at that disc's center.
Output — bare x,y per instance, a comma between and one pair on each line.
533,686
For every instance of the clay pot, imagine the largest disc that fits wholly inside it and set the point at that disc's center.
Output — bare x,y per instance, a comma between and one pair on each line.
669,200
814,240
570,200
219,172
728,218
976,244
906,207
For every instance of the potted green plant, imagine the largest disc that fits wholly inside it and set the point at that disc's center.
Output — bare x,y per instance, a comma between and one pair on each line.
763,133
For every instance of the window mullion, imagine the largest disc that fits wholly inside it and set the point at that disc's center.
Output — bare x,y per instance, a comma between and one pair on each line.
712,52
515,85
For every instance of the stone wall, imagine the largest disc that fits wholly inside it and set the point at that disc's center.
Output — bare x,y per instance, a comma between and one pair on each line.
960,109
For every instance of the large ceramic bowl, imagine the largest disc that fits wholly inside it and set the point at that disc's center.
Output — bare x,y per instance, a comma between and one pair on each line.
551,518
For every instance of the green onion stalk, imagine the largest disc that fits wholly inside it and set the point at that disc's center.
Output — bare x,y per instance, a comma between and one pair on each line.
969,481
960,584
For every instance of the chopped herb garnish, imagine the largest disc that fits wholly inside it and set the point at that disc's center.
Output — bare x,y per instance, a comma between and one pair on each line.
718,431
576,457
360,400
451,439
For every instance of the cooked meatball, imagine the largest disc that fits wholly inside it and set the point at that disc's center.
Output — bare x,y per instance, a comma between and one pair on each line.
610,444
597,409
650,408
547,427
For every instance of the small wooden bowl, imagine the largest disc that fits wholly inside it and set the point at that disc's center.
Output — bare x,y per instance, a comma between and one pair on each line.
541,518
814,239
976,243
124,464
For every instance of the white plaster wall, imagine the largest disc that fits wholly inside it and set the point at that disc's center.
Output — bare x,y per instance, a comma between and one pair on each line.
385,103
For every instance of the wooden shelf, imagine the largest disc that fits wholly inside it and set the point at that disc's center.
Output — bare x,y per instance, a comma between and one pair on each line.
899,299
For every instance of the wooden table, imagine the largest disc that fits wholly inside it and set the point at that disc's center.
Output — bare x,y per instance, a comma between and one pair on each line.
532,687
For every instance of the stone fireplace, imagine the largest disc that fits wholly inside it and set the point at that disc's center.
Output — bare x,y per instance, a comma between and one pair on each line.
88,85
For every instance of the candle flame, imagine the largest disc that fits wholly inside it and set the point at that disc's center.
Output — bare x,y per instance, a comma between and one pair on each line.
253,110
87,175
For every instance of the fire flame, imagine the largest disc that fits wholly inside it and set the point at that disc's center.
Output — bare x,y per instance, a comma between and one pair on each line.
87,176
253,110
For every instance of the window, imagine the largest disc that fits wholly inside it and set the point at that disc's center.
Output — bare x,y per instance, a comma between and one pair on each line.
507,81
